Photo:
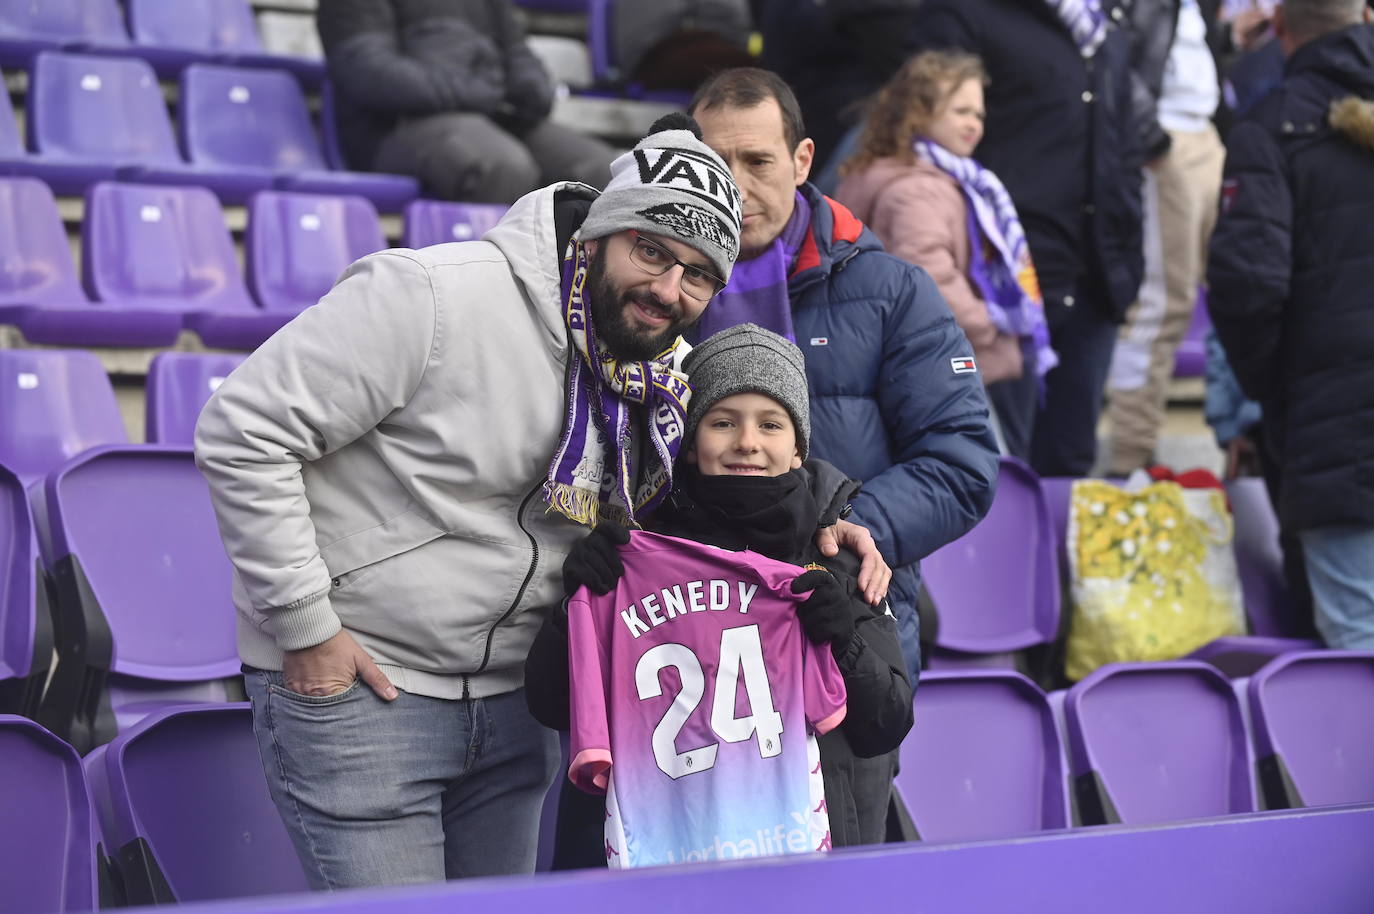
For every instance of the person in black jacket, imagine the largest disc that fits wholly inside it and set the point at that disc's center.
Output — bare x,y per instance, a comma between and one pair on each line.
448,91
741,483
1061,135
1291,297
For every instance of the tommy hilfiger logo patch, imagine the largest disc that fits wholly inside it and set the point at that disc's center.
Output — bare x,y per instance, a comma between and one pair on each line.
820,341
963,365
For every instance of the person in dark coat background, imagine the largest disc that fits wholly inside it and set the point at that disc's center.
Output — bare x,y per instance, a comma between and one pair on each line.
1061,135
448,91
1291,298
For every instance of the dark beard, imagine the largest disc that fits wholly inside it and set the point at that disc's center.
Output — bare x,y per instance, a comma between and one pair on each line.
613,330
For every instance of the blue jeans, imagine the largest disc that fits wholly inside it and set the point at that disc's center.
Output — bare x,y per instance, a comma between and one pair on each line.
416,790
1340,571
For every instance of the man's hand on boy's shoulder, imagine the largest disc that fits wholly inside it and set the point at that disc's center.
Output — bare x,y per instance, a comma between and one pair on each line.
874,573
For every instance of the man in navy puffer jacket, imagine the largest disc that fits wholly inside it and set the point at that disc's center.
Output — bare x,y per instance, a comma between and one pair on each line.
896,400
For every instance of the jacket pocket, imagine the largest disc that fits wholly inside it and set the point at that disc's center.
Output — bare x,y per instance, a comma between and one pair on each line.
357,555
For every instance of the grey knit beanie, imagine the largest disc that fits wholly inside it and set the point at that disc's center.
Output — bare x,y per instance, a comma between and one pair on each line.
748,359
672,184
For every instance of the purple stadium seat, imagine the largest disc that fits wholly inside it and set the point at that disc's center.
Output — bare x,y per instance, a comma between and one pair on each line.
983,759
185,811
179,384
1242,655
297,245
1313,719
1157,742
171,34
30,26
95,118
39,291
48,829
26,638
1190,361
143,590
55,405
1017,604
257,122
169,248
435,221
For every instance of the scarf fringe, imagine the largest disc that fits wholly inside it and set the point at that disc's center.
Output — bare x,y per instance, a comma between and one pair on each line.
584,506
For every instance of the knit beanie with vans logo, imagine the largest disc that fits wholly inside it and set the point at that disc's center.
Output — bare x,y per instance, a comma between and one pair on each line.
671,184
748,359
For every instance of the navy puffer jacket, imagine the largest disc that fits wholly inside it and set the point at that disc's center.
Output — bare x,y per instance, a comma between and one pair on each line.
889,403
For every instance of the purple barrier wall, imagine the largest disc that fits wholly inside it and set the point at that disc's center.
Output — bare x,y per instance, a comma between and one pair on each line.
1279,862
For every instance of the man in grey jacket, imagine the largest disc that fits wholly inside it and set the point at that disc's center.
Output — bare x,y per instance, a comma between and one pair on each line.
398,475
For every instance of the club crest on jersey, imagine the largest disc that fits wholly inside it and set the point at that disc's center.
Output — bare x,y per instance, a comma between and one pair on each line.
692,173
688,221
963,365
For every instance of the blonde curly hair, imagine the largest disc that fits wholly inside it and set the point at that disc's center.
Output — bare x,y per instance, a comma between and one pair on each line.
903,109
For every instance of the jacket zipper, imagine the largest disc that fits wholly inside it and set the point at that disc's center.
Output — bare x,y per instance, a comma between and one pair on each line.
534,544
519,594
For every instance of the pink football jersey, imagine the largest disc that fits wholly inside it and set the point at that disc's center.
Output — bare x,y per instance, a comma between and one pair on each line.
696,698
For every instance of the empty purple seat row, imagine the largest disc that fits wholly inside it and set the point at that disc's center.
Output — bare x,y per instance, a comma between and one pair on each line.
141,582
1145,743
157,259
93,118
170,34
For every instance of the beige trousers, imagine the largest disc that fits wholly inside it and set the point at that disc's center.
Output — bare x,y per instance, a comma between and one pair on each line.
1180,193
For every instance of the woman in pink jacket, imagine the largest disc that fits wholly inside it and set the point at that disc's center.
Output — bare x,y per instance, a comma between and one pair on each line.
914,183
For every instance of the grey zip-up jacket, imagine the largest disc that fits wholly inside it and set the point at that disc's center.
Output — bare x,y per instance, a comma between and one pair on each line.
377,464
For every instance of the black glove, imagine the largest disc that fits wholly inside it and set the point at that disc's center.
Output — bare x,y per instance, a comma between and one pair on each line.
594,561
826,615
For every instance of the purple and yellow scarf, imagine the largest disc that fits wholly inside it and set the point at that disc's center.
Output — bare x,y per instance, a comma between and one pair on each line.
602,396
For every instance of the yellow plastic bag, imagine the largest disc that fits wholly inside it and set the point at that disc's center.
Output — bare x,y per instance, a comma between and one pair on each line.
1153,573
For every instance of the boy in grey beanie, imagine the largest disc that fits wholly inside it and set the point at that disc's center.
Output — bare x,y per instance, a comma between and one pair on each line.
747,358
742,483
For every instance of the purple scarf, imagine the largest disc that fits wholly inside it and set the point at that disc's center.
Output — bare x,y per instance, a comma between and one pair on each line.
1007,281
1085,21
757,291
602,394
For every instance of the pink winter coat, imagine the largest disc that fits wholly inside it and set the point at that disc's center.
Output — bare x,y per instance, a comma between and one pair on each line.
919,214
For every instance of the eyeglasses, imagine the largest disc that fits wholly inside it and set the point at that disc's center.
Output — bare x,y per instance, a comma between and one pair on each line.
653,258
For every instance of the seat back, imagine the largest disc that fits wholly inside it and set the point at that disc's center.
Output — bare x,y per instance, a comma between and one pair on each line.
160,247
436,221
983,758
1313,718
47,823
137,520
236,117
1017,606
107,109
55,405
189,807
1157,742
204,25
26,636
11,146
179,385
64,21
35,256
299,244
1190,360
